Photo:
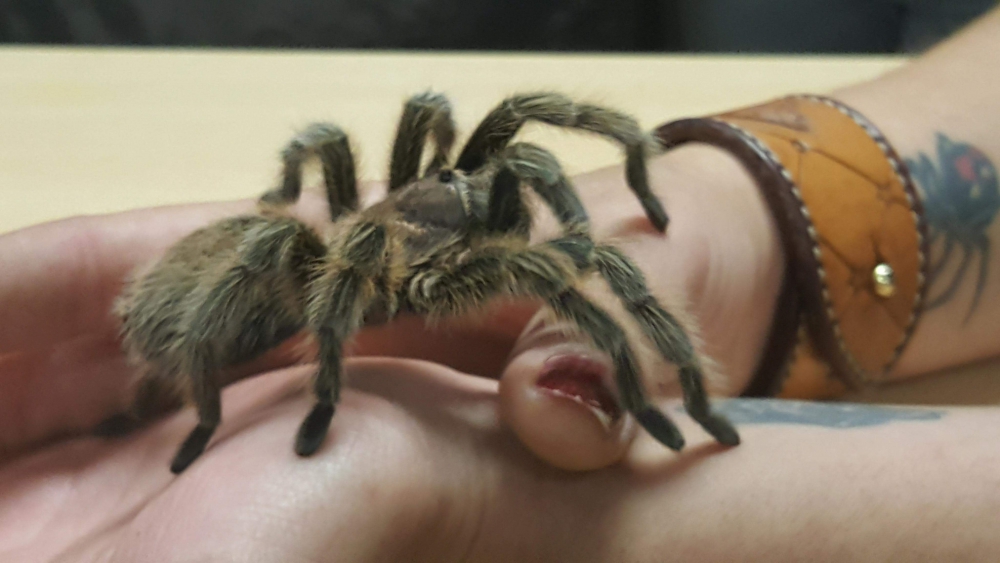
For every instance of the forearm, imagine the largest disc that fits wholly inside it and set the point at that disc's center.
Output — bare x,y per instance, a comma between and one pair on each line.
811,482
719,266
884,489
719,215
950,99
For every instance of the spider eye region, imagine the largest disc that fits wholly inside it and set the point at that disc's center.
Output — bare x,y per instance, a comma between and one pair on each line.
446,175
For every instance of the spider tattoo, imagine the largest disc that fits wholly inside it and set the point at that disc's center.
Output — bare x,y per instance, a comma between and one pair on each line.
445,241
962,195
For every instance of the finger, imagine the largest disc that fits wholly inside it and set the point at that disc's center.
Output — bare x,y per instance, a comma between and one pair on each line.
61,278
557,394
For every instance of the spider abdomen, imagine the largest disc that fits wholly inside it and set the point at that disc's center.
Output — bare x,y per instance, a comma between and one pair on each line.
177,304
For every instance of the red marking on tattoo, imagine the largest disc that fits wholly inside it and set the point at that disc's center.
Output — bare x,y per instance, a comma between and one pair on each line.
966,169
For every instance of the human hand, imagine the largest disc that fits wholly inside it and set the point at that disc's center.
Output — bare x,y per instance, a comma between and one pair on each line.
401,437
62,371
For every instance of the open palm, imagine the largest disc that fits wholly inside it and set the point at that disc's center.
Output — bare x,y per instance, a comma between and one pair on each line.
403,465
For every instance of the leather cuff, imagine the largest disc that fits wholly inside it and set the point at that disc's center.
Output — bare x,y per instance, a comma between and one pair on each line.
853,232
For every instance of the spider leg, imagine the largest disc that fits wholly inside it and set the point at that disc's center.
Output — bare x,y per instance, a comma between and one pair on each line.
241,314
933,237
983,248
937,265
956,280
332,146
153,398
628,284
506,212
339,301
424,114
500,125
539,168
510,268
207,398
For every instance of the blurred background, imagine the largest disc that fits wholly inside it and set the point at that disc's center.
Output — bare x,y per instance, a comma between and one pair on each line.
764,26
145,126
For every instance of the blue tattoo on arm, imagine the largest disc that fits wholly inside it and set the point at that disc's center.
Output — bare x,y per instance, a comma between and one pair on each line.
827,415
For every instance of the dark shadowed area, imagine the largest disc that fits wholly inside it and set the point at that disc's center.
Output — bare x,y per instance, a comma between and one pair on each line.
807,26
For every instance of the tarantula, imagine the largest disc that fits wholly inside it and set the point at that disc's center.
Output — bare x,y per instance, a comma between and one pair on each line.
445,241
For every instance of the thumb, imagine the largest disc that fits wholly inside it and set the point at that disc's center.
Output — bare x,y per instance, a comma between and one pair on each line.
558,395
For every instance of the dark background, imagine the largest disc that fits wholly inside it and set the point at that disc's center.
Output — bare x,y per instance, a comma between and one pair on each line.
811,26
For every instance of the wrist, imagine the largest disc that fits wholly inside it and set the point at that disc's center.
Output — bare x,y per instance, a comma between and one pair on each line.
735,259
720,264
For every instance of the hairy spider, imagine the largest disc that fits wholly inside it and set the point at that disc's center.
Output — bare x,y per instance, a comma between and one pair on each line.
445,241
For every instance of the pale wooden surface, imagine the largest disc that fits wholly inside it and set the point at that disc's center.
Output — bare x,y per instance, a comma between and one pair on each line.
86,131
92,131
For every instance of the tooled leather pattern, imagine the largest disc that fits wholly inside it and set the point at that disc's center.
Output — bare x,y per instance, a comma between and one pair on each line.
861,210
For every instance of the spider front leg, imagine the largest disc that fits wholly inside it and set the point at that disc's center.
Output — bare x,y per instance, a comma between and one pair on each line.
424,114
153,397
979,245
628,284
541,272
509,267
539,169
983,248
332,146
206,393
339,299
504,121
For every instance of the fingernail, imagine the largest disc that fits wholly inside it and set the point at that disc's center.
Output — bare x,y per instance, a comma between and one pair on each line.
579,378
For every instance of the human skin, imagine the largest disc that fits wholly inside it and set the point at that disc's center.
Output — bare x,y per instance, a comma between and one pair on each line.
419,466
421,463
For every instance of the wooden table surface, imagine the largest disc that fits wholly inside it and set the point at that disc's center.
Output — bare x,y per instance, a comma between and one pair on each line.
86,131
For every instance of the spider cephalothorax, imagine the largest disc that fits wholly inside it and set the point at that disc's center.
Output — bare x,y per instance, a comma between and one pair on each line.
445,241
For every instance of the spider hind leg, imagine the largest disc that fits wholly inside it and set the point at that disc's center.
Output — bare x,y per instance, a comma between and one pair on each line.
611,339
249,308
207,398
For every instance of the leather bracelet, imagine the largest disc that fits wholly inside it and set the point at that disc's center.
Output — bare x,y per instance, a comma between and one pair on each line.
853,232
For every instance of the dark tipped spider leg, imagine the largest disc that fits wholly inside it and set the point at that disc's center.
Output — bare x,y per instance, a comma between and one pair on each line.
332,146
347,294
500,125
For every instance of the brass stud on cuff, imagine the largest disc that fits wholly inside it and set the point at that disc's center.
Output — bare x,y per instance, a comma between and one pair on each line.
885,280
